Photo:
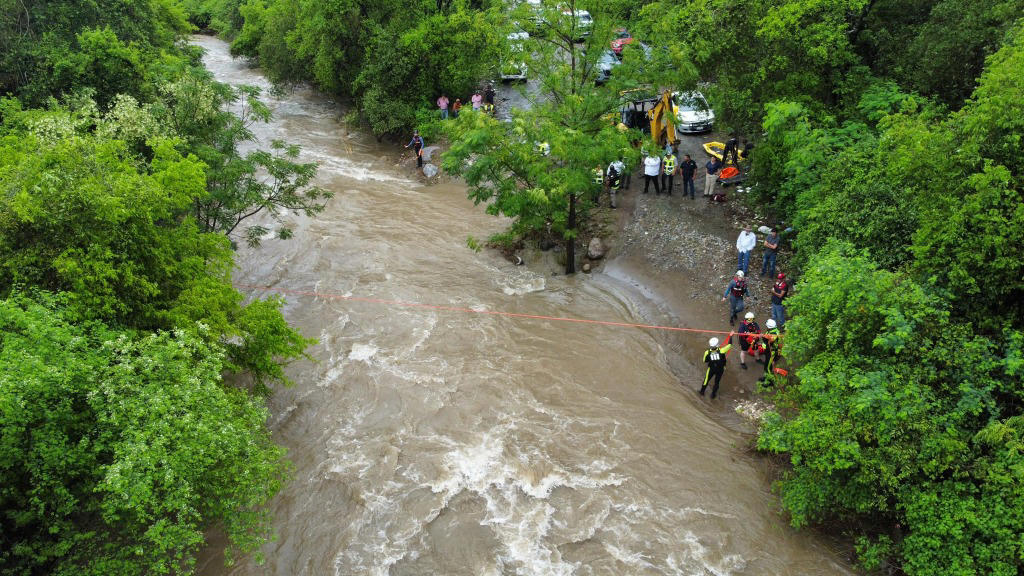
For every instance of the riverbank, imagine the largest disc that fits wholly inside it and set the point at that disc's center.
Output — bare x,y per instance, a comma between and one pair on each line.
679,254
432,436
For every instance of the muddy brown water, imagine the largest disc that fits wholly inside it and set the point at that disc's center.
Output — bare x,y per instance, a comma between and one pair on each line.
438,442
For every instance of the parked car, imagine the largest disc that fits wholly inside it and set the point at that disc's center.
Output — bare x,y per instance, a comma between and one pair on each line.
583,22
693,114
605,63
513,60
622,38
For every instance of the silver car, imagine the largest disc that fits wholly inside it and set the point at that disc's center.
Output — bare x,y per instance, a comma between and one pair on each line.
693,113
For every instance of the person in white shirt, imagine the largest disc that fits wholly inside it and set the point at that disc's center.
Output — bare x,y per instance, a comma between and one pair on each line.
744,244
652,168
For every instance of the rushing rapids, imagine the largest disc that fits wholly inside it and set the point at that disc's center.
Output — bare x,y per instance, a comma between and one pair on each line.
436,442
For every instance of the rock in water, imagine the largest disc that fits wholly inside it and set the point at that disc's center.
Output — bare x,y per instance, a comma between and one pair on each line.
428,152
586,267
596,249
429,170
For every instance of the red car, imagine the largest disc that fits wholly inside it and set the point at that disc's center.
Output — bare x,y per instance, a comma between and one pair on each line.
622,38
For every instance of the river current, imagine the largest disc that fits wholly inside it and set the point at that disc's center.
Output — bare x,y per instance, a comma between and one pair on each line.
431,441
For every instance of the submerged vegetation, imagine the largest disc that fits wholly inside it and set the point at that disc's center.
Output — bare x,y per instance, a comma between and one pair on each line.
889,134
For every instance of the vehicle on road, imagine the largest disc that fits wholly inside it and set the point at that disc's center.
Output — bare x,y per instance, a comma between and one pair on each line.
513,59
693,114
621,40
583,23
605,63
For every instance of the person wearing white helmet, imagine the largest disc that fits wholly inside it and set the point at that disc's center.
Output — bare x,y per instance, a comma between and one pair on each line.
750,334
771,353
714,357
735,292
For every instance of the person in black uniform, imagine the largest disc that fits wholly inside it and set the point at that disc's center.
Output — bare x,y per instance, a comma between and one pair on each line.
771,351
732,146
714,357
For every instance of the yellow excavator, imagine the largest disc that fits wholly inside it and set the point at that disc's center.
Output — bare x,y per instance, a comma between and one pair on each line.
663,128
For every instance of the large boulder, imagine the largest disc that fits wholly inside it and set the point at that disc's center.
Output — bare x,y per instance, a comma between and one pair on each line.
429,170
596,249
428,152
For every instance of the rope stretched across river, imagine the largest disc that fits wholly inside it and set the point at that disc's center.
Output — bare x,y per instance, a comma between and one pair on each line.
406,304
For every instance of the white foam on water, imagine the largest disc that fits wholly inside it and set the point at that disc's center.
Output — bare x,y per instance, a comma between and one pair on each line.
517,497
521,281
348,168
362,352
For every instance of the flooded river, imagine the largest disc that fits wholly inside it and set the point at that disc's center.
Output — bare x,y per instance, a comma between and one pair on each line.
431,441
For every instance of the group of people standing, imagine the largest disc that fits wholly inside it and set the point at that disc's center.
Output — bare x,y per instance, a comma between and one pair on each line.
762,346
666,167
480,100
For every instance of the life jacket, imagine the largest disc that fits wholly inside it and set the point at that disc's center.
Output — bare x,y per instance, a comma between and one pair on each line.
751,331
614,179
739,287
715,358
598,176
670,164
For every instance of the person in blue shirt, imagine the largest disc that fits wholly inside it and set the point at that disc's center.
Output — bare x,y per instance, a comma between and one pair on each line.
712,167
417,146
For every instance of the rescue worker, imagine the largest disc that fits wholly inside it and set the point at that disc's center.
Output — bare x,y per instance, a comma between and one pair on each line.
735,292
771,350
779,292
750,336
417,147
732,146
688,168
670,169
598,177
714,357
614,180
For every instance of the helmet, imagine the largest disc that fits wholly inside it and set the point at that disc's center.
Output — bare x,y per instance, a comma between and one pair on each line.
739,273
713,342
781,275
749,315
770,323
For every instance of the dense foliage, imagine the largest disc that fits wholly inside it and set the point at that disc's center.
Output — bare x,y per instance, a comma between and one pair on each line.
119,448
890,134
393,58
123,186
537,168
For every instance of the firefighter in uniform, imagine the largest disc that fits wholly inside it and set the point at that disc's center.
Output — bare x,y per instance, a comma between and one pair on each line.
750,336
598,177
714,357
771,352
735,292
614,180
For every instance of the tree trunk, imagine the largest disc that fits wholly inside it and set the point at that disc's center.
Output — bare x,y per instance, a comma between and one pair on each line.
570,243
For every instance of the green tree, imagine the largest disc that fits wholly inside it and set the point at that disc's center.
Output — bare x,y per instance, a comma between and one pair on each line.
502,161
902,422
119,450
85,215
51,47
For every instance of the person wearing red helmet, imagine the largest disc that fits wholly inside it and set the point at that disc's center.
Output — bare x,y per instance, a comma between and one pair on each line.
779,292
